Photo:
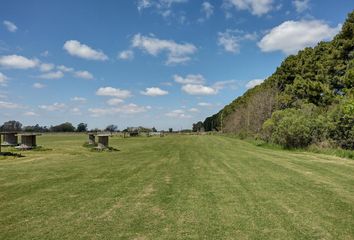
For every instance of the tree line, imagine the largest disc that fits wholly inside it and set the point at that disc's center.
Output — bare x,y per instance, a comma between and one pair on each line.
16,126
308,100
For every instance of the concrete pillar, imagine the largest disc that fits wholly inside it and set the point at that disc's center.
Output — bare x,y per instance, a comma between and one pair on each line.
103,141
91,139
10,139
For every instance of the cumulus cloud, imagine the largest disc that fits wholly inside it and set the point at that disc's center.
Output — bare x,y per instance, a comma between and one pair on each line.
75,111
230,39
79,99
204,104
198,89
3,79
52,75
30,114
9,105
142,4
189,79
45,53
178,114
301,5
46,67
126,55
195,84
84,74
154,91
207,9
65,69
162,5
125,109
176,53
17,62
193,110
38,85
10,26
113,92
115,101
291,36
256,7
253,83
53,107
77,49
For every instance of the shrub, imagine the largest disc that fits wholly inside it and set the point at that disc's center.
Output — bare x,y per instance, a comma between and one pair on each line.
295,128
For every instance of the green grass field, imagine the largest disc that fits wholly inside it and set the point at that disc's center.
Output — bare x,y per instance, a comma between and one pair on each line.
176,187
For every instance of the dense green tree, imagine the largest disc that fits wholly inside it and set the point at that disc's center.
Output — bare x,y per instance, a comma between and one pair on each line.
81,127
64,127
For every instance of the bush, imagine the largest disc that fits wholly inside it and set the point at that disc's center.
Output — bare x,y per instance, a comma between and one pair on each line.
341,119
295,128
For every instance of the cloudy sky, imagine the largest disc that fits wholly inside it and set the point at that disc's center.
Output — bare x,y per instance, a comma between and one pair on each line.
162,63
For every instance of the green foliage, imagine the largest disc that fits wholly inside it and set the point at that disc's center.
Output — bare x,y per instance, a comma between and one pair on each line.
341,119
322,76
294,128
11,126
81,127
64,127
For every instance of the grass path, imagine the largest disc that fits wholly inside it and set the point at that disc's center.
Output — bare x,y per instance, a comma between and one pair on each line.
176,187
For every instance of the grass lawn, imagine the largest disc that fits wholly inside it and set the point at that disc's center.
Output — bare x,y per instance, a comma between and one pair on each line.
176,187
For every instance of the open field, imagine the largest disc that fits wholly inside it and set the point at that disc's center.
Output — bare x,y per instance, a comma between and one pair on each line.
176,187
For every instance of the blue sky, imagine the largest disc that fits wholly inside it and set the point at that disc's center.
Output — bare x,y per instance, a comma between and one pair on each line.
162,63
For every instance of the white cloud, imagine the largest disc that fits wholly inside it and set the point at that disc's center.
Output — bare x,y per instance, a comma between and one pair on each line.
126,55
17,62
142,4
45,53
10,26
154,91
53,107
230,39
198,89
30,114
189,79
195,84
9,105
176,53
65,69
113,92
115,101
75,111
162,5
125,109
79,99
256,7
193,110
84,74
46,67
3,79
253,83
38,85
221,84
301,5
204,104
75,48
52,75
178,114
207,9
292,36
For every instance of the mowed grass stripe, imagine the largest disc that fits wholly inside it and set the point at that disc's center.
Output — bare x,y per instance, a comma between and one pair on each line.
176,187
